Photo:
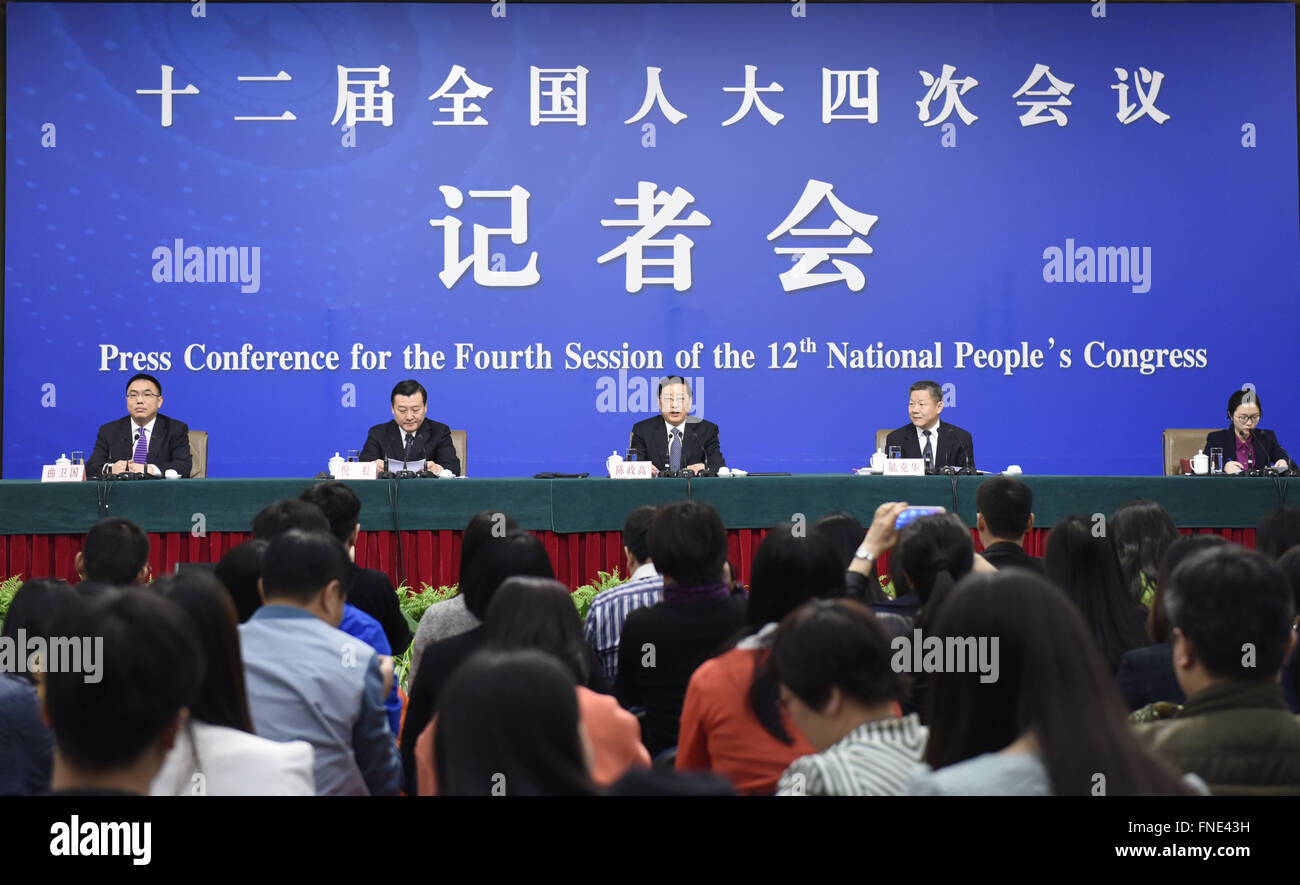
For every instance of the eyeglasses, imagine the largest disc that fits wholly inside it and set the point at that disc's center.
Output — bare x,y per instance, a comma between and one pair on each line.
145,395
1246,419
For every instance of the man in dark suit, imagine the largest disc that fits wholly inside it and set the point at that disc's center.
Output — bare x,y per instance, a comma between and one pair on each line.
410,436
143,441
940,444
1004,516
672,441
1246,445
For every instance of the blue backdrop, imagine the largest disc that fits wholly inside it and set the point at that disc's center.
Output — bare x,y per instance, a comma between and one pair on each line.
1160,218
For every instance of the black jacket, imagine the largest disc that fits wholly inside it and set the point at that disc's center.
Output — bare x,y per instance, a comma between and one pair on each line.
953,449
169,446
699,443
432,443
1267,451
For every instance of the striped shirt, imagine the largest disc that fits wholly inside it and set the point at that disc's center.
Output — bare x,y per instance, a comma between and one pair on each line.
875,759
604,627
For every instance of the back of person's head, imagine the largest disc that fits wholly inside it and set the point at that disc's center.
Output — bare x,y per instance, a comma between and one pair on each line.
508,725
538,613
239,571
1278,531
38,603
1050,681
340,505
298,565
1237,609
1184,547
636,532
221,699
1140,532
116,551
1085,567
934,552
518,554
845,533
688,543
1006,504
150,667
1289,563
829,644
291,513
789,569
482,527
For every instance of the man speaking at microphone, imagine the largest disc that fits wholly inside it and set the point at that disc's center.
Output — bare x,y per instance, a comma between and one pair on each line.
669,442
410,436
144,441
939,443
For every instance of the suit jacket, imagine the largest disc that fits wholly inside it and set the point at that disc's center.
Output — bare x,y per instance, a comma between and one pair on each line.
1004,554
953,449
432,443
1146,676
169,446
1267,451
699,443
373,593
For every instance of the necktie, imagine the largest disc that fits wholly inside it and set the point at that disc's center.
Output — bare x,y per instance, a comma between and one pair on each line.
141,454
928,451
675,451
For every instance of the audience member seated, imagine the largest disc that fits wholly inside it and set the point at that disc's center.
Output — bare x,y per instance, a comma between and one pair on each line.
115,552
1232,615
510,727
846,535
216,752
1278,531
26,747
494,559
1005,514
834,665
1085,567
663,644
307,680
1290,565
371,591
450,617
1146,674
732,721
644,588
238,571
112,735
537,613
1048,721
1140,533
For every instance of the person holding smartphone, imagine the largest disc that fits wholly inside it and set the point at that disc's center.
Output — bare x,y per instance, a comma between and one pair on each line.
1244,444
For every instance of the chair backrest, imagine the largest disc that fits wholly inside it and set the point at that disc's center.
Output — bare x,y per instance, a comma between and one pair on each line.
459,440
198,454
880,440
1183,442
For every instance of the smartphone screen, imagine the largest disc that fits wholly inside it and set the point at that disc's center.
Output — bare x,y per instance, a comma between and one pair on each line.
914,513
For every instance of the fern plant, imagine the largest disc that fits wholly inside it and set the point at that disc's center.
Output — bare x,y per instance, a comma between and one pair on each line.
583,596
8,588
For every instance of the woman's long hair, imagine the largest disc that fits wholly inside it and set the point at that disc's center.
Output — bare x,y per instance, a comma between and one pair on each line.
538,613
38,603
1140,533
1183,548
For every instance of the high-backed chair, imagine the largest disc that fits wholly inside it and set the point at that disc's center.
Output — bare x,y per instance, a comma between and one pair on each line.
880,440
1184,442
459,440
198,454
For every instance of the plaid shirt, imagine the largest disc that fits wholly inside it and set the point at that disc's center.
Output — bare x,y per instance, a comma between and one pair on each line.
604,627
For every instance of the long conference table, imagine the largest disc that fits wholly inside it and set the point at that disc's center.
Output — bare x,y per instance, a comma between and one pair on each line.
411,528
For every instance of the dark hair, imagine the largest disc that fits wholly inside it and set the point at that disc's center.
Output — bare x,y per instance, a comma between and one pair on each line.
688,543
1289,563
340,505
291,513
481,527
1140,532
636,532
829,643
221,699
538,613
410,387
1246,396
1051,682
930,387
1006,505
1225,598
518,554
933,553
141,376
298,565
115,551
1084,566
508,722
1185,546
38,603
150,667
1278,531
238,571
671,380
844,532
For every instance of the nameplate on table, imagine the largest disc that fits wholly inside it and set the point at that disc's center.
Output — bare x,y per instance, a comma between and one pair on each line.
63,473
905,467
631,470
356,470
